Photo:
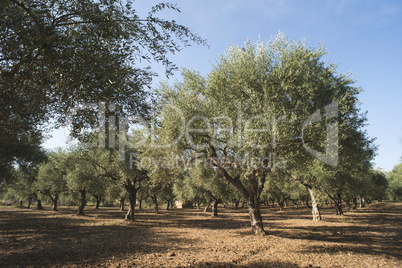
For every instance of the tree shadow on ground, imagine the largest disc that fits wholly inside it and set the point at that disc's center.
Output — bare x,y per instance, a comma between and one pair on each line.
48,238
34,238
368,231
31,237
250,264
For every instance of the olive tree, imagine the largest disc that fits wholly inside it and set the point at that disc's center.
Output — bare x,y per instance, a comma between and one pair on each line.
265,108
210,183
58,54
224,119
51,176
394,177
85,175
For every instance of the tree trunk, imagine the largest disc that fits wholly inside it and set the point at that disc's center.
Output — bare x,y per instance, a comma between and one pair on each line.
337,200
132,196
208,205
253,204
338,208
236,203
354,200
39,204
273,202
83,202
155,202
98,200
281,204
122,199
168,205
29,202
21,203
256,218
362,202
314,206
55,201
251,195
140,204
295,204
215,208
198,204
338,205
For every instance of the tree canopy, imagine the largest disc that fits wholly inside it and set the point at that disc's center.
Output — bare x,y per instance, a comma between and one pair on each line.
58,54
268,109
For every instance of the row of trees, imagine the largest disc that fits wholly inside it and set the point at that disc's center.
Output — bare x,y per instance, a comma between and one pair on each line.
394,191
269,122
271,112
77,175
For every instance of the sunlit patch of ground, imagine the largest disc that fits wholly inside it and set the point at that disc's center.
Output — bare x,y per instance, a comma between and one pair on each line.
369,237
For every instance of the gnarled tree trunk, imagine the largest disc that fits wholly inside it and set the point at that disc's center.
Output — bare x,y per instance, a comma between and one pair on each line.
29,202
132,196
362,202
55,201
314,205
256,218
122,199
354,200
295,203
207,206
281,203
215,208
83,202
338,205
273,202
39,204
251,194
155,202
98,200
253,204
337,200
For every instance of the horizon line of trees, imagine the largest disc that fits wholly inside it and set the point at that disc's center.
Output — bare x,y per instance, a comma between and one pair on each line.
75,177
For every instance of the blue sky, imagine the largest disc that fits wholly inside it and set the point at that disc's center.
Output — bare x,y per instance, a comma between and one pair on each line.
364,37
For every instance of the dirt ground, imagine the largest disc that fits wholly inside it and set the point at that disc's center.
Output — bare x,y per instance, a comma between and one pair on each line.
368,237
